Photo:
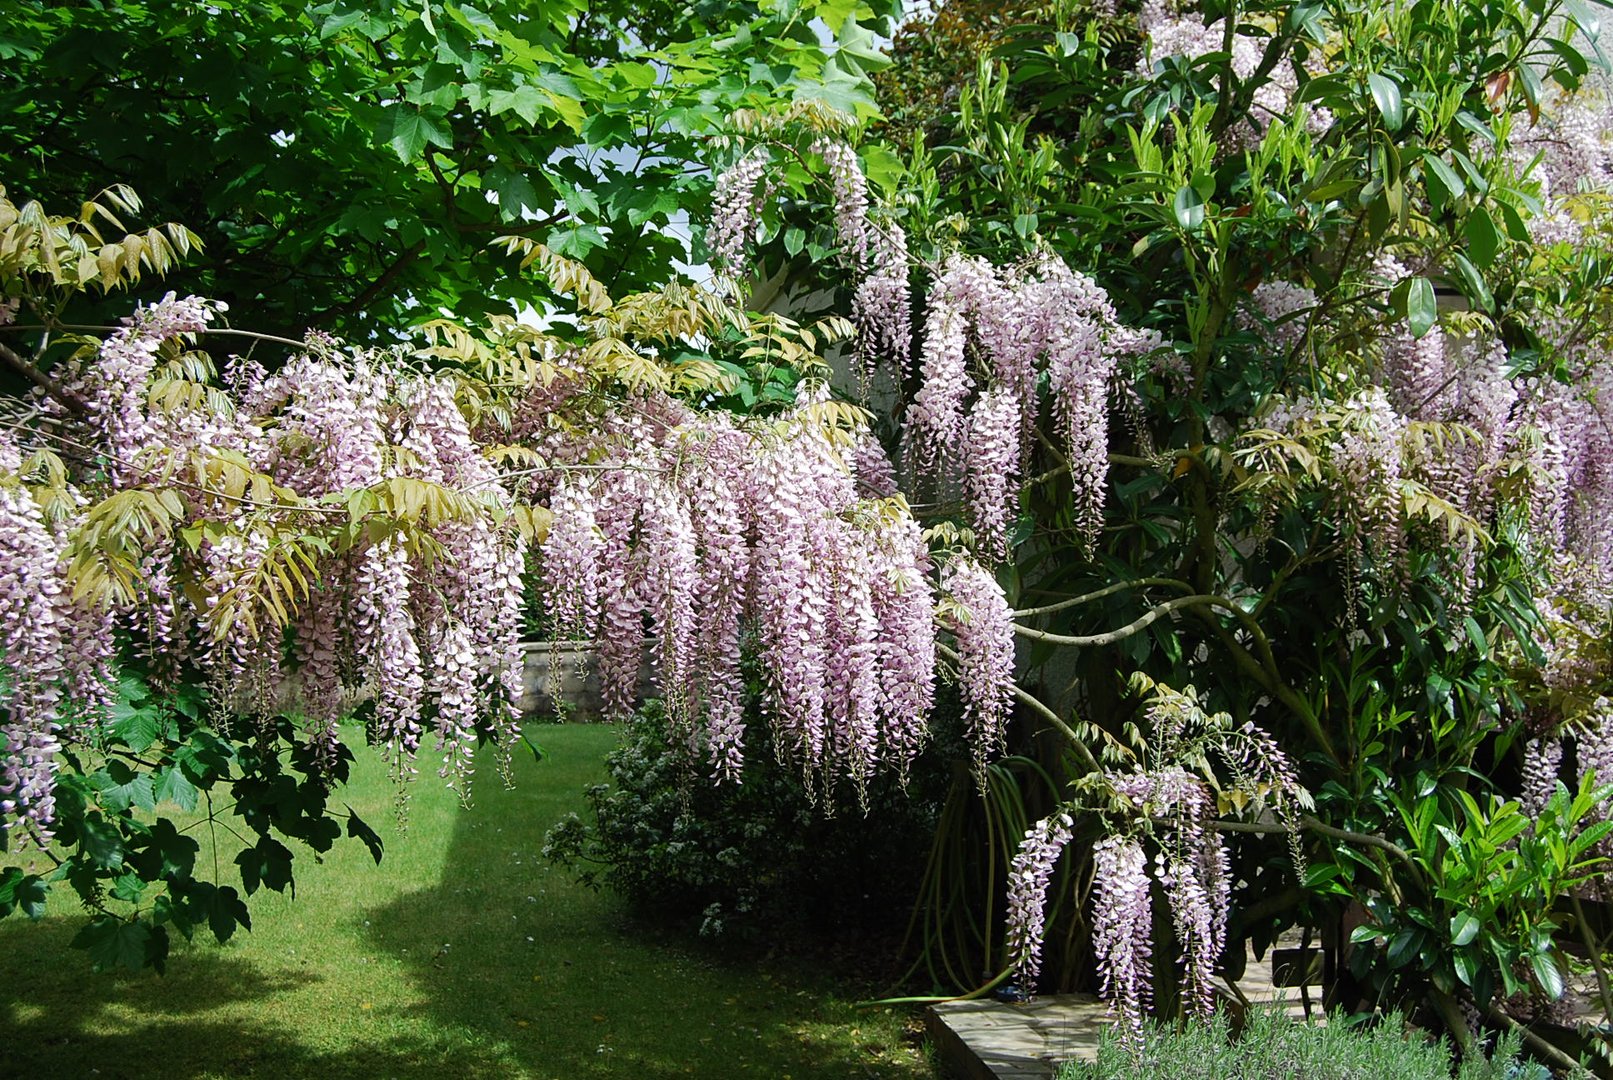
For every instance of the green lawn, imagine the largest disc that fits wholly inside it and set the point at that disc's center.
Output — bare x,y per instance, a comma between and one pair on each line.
462,954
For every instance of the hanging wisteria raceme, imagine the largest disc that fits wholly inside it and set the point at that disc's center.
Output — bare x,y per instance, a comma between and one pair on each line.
570,556
716,682
285,596
992,462
1593,753
701,530
1028,879
115,386
934,424
1014,325
883,306
1280,311
1122,931
1368,457
1191,868
1542,759
904,611
385,641
32,637
982,622
850,196
736,200
1079,366
984,328
1185,34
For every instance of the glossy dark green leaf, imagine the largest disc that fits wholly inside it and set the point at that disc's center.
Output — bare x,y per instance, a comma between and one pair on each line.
1386,94
1188,207
1473,283
1422,306
1548,976
1483,238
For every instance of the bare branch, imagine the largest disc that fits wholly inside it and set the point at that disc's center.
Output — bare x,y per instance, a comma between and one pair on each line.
68,399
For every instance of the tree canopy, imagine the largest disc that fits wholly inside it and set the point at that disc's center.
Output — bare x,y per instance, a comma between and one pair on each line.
348,165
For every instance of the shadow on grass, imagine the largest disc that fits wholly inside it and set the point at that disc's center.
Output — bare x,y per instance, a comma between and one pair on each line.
498,966
510,948
58,1019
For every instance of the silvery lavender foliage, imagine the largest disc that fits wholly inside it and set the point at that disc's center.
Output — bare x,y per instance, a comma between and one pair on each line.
1028,879
982,623
1122,930
736,201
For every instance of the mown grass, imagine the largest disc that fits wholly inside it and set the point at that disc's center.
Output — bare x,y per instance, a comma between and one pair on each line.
463,954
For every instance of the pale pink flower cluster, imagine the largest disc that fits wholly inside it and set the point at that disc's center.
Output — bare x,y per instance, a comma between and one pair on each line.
1015,324
1279,311
850,196
1542,760
384,637
1184,33
422,614
1368,456
1593,753
736,202
982,622
1028,879
1593,750
114,387
1568,146
992,449
1122,930
706,530
55,653
883,305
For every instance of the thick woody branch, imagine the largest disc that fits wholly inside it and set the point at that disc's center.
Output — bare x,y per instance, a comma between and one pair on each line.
59,393
1087,598
1150,617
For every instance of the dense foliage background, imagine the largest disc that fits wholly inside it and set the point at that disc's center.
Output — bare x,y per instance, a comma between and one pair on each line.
1244,365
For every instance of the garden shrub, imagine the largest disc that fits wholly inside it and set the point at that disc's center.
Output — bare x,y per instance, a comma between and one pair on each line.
762,857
